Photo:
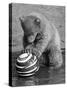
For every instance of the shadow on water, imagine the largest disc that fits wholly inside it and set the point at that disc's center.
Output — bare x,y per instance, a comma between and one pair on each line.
44,76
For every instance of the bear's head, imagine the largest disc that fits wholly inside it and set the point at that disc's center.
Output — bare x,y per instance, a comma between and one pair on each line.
32,26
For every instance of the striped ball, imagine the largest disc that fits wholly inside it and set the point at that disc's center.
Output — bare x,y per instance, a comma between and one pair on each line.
27,64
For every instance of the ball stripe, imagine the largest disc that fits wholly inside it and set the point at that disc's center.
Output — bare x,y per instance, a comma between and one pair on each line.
18,66
29,62
23,55
28,71
29,74
25,59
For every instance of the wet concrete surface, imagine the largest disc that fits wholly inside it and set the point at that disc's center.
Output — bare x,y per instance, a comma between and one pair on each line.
45,75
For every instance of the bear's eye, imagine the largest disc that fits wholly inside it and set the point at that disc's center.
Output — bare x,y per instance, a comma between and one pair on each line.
37,21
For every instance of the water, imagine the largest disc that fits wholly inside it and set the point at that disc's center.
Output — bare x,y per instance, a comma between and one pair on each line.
44,76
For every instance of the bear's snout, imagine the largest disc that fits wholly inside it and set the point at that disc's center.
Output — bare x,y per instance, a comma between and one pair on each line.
31,39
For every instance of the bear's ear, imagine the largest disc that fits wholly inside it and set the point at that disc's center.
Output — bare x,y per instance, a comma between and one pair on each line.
21,21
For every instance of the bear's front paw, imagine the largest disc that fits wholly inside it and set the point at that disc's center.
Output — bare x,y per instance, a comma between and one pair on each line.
33,50
57,64
29,48
36,52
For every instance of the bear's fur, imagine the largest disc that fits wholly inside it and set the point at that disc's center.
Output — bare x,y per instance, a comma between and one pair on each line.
41,36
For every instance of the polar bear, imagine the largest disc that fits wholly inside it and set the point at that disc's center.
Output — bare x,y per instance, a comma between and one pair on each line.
41,36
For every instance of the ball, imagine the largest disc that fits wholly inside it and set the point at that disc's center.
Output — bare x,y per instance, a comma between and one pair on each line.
27,64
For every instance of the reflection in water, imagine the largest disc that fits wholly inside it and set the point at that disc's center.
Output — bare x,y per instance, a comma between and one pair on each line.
45,75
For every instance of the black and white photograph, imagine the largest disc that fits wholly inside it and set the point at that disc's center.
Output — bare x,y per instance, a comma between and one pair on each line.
36,44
